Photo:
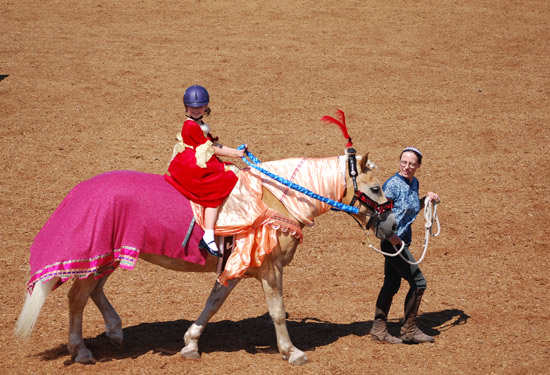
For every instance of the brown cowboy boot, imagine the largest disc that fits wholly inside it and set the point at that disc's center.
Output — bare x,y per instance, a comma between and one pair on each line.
409,331
379,331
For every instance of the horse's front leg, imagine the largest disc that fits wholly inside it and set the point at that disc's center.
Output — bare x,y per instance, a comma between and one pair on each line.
216,299
272,282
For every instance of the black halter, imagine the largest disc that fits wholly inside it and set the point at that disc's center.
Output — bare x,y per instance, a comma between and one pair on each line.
376,208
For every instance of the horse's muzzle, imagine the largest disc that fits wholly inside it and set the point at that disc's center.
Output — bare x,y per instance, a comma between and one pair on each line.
385,226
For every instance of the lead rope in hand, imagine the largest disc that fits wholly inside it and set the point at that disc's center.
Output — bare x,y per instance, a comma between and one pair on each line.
383,252
430,214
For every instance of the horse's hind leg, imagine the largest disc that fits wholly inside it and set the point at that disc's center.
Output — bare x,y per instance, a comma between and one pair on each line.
216,299
113,324
78,296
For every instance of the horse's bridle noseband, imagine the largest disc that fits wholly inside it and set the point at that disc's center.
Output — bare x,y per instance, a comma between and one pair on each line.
364,199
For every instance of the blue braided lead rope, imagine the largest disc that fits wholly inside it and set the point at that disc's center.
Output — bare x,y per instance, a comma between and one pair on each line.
337,205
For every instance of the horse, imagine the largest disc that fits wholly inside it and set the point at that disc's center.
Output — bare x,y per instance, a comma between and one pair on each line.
361,190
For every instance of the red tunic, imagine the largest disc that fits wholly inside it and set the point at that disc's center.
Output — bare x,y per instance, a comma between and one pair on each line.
206,186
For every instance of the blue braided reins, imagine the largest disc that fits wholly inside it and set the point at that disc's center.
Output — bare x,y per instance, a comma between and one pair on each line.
337,205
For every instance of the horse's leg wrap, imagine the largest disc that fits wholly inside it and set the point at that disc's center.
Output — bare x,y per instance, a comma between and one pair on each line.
216,299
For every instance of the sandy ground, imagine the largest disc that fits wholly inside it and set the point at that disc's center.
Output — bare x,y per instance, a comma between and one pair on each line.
92,86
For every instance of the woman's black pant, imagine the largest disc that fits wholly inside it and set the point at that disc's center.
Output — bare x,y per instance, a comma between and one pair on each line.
396,269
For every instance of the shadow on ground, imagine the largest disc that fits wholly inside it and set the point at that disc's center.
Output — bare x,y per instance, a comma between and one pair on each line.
254,335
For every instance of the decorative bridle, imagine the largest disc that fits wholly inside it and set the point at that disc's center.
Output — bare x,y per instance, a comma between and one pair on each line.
358,196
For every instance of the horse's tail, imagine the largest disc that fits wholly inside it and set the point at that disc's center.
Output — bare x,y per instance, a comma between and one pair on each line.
31,308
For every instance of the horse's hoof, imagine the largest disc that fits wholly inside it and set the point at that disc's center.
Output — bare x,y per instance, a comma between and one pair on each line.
298,359
81,354
85,358
190,354
116,342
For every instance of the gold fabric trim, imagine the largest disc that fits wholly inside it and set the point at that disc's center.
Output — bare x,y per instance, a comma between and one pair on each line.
203,153
233,168
178,147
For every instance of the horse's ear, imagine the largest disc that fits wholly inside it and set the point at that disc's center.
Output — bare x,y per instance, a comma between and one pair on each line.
363,161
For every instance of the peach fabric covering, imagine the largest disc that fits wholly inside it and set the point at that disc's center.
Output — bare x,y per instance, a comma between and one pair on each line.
255,225
322,176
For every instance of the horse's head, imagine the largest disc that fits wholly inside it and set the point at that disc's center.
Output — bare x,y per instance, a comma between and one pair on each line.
374,208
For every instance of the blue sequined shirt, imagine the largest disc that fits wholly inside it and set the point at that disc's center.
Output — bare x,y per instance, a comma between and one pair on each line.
406,203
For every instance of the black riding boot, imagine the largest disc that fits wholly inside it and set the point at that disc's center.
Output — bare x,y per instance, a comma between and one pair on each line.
379,331
409,331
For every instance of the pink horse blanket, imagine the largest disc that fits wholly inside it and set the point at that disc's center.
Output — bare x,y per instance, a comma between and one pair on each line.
107,221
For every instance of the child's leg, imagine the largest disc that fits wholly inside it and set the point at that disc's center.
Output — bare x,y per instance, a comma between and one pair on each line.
210,217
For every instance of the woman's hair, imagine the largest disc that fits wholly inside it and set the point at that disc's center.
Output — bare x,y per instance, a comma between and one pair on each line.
415,151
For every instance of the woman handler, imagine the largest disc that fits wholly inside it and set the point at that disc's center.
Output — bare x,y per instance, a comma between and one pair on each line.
402,188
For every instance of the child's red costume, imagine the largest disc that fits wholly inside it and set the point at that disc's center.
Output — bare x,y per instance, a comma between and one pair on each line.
196,172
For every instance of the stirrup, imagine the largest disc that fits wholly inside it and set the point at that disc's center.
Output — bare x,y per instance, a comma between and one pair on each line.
204,245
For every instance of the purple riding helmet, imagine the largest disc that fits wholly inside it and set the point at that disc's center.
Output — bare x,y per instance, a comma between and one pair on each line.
196,96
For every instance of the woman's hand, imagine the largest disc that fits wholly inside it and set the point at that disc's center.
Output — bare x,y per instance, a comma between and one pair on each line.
433,196
395,240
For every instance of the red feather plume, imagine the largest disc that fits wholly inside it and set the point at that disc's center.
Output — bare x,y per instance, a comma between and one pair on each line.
341,122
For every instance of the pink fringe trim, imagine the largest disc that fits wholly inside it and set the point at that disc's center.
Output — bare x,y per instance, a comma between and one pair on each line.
99,266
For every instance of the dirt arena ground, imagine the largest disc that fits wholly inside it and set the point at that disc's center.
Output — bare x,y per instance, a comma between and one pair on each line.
92,86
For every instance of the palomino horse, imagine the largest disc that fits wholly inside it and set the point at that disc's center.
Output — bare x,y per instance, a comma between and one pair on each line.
363,192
